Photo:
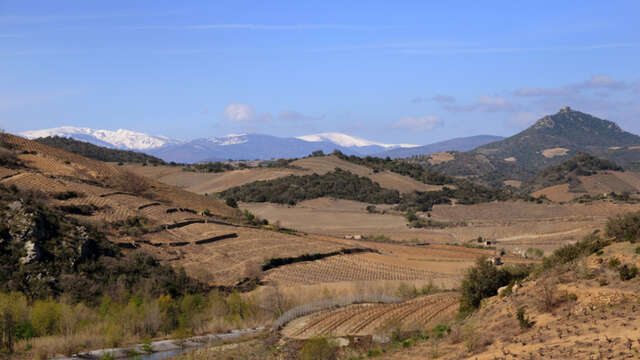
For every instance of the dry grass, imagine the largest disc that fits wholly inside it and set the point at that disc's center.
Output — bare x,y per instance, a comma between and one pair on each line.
557,193
550,153
440,158
209,183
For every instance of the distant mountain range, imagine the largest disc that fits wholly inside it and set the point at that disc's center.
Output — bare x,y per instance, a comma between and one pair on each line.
457,144
245,146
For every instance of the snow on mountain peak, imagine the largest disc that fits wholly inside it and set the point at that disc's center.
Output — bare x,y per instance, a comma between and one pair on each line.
121,138
231,139
349,141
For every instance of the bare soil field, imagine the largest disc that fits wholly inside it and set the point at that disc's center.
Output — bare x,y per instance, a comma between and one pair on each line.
556,193
209,183
611,181
602,183
370,319
549,153
442,265
512,224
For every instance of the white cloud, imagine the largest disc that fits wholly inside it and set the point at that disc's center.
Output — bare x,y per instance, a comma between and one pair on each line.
424,123
239,112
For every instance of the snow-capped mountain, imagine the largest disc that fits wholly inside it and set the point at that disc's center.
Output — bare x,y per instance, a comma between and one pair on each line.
349,141
232,146
250,147
231,139
120,139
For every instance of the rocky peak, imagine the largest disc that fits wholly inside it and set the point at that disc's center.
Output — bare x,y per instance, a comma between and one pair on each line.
545,122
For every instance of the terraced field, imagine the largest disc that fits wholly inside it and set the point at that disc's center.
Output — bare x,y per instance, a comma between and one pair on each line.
369,319
229,260
361,267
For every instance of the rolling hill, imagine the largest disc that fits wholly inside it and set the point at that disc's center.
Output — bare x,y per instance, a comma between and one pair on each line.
550,141
99,152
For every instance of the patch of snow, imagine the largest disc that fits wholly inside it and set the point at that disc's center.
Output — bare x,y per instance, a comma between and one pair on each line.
231,139
121,138
349,141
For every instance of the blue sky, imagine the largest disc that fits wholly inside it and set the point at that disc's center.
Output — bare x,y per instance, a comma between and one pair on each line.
392,71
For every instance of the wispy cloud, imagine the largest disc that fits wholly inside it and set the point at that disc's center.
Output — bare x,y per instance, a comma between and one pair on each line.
37,19
285,27
602,82
493,50
279,27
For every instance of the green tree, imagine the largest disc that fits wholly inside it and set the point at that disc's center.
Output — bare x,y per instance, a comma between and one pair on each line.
481,281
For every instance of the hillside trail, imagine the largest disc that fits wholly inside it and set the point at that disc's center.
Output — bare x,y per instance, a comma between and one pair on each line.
533,236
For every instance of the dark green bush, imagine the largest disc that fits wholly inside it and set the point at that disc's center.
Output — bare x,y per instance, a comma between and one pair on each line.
231,202
86,210
572,252
98,152
209,167
628,272
66,195
484,279
293,189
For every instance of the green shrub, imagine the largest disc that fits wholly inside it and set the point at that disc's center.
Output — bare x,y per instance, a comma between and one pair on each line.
638,250
624,227
14,321
569,253
523,320
107,356
45,317
147,346
628,272
231,202
484,279
440,331
614,263
318,349
374,352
